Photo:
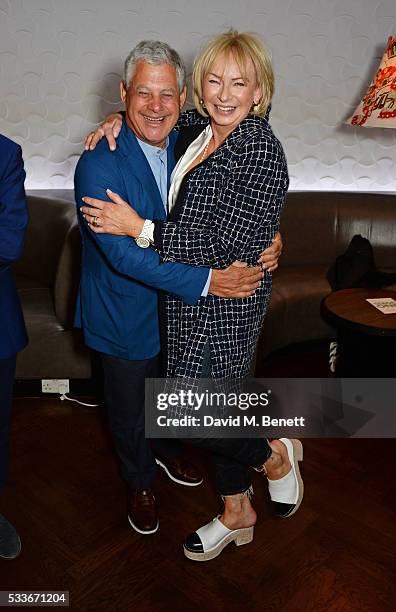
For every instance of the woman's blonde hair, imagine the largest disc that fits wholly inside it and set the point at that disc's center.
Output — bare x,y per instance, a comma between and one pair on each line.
242,46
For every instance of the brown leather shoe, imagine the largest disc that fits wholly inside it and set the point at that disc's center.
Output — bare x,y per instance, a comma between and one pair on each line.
181,471
142,511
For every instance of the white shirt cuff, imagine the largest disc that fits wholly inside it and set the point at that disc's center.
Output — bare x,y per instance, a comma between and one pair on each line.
206,288
150,230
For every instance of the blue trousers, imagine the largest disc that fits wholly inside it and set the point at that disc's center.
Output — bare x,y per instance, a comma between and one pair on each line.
124,387
7,372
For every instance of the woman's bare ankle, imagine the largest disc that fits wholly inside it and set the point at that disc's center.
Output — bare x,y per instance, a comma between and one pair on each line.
238,512
278,465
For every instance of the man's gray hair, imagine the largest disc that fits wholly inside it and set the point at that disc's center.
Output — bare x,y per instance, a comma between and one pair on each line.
154,52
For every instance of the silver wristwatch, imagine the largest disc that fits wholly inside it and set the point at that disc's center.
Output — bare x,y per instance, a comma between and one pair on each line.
145,237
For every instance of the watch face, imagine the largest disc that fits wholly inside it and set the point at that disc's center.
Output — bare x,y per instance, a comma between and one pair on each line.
143,242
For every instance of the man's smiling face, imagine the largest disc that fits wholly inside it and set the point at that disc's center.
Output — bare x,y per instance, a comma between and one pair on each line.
153,102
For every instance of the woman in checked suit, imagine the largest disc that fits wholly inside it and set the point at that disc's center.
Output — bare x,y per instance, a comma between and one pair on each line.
225,202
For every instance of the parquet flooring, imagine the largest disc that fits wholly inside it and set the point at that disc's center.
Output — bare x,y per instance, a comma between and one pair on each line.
337,554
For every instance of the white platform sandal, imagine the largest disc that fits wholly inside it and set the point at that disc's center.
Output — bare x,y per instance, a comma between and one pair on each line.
208,541
287,492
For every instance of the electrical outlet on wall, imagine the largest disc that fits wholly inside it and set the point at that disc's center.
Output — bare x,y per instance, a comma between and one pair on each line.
55,385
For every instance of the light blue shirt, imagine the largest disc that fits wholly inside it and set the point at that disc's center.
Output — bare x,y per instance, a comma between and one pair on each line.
158,162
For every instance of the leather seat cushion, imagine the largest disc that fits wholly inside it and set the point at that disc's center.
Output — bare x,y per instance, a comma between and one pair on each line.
42,358
294,310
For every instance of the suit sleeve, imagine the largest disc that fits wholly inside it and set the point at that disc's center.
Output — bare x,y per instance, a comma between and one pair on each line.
252,198
13,209
122,253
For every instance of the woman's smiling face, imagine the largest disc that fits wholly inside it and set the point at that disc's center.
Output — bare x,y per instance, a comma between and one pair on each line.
227,94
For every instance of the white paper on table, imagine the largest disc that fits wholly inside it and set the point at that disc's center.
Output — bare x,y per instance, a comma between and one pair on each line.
385,305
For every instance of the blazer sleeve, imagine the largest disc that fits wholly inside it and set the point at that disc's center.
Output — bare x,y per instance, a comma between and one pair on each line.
92,177
13,209
252,197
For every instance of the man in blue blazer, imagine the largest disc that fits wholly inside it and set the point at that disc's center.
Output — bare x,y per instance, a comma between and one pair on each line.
13,338
117,304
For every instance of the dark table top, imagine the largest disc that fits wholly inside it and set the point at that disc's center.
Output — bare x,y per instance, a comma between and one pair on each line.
349,310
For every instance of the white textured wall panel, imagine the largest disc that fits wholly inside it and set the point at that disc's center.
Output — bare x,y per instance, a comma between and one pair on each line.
61,62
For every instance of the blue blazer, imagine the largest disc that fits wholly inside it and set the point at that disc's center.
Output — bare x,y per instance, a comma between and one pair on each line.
13,223
117,305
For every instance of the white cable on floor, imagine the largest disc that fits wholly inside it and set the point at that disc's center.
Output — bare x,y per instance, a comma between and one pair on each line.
70,399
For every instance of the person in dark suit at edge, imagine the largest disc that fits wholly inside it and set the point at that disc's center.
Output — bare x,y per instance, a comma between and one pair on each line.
13,337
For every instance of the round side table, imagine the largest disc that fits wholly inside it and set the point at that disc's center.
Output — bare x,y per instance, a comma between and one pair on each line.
367,337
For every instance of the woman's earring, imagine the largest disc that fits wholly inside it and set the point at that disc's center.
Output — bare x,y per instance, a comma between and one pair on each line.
254,107
202,103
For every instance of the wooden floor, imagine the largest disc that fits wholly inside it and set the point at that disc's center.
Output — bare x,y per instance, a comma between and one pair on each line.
338,553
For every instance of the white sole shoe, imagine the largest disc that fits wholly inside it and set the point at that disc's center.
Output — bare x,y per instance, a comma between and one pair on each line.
182,482
130,521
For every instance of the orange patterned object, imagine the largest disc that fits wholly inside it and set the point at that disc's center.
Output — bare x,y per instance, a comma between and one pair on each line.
378,106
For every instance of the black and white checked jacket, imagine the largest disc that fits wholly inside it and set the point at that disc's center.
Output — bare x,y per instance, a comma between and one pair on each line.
228,208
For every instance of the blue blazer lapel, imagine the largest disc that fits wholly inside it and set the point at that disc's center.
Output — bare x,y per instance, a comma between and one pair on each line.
134,163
